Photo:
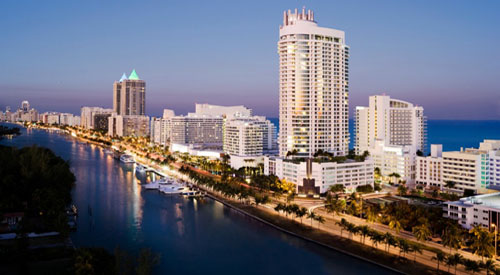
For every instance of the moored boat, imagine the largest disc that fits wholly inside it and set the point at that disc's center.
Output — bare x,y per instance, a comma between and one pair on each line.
127,158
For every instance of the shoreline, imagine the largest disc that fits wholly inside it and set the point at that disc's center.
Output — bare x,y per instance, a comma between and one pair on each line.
239,209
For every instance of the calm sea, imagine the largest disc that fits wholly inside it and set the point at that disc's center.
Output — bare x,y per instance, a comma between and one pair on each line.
453,134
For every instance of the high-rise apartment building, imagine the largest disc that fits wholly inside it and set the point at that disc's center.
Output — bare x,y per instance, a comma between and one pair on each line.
87,117
129,95
313,85
395,121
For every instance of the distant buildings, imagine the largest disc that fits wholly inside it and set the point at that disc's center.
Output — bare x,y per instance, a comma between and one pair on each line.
129,107
23,114
88,116
470,169
119,126
129,95
313,87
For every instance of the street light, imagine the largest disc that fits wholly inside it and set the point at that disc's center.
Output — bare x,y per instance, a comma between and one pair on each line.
496,233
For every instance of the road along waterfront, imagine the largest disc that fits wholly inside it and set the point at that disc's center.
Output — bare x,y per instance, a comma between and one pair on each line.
192,235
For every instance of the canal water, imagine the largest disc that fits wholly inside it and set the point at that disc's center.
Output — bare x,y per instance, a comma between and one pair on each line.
192,236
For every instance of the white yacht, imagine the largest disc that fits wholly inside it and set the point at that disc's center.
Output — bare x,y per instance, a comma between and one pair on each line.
158,183
127,158
173,189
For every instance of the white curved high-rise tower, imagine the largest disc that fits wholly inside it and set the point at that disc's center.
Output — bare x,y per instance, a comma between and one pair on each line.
313,87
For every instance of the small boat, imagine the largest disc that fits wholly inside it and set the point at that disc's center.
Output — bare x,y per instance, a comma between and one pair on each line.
158,183
127,158
172,189
107,151
193,194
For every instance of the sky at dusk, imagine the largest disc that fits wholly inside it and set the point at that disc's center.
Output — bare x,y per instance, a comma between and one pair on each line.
61,55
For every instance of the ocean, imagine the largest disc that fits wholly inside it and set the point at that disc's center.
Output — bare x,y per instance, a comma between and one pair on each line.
452,134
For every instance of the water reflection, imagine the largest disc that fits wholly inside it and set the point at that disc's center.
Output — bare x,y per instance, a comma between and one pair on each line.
191,235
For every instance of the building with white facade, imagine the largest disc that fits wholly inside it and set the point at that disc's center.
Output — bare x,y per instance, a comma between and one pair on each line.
391,159
197,129
247,139
161,128
429,169
468,169
128,126
87,117
395,121
314,177
483,210
313,87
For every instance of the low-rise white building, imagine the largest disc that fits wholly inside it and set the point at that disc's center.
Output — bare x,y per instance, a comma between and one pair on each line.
315,177
468,169
430,168
481,210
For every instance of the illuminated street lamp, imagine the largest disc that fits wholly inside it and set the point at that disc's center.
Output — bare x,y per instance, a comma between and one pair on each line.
496,233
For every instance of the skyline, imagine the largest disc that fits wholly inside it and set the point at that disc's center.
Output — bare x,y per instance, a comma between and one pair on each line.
61,67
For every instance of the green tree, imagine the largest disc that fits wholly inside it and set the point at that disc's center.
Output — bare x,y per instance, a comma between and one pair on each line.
422,232
482,242
489,265
395,224
452,237
439,258
472,266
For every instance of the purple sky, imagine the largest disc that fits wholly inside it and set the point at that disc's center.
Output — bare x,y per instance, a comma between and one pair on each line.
61,55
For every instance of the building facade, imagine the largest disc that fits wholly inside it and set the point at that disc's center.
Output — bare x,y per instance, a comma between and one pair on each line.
313,87
249,136
395,121
483,210
88,114
129,96
128,126
196,129
394,159
312,177
430,168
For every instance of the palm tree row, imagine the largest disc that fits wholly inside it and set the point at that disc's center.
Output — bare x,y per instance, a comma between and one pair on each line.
405,246
228,188
299,212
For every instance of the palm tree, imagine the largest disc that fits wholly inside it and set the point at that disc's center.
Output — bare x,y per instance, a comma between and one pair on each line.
454,260
319,219
364,231
416,248
301,213
452,237
343,225
471,265
311,216
440,256
404,246
489,265
390,240
395,225
336,188
482,243
376,238
422,232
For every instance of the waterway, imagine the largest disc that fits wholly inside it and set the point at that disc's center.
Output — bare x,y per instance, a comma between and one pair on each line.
192,236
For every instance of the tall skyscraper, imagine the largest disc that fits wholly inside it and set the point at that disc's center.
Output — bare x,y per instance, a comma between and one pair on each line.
25,106
313,87
129,95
